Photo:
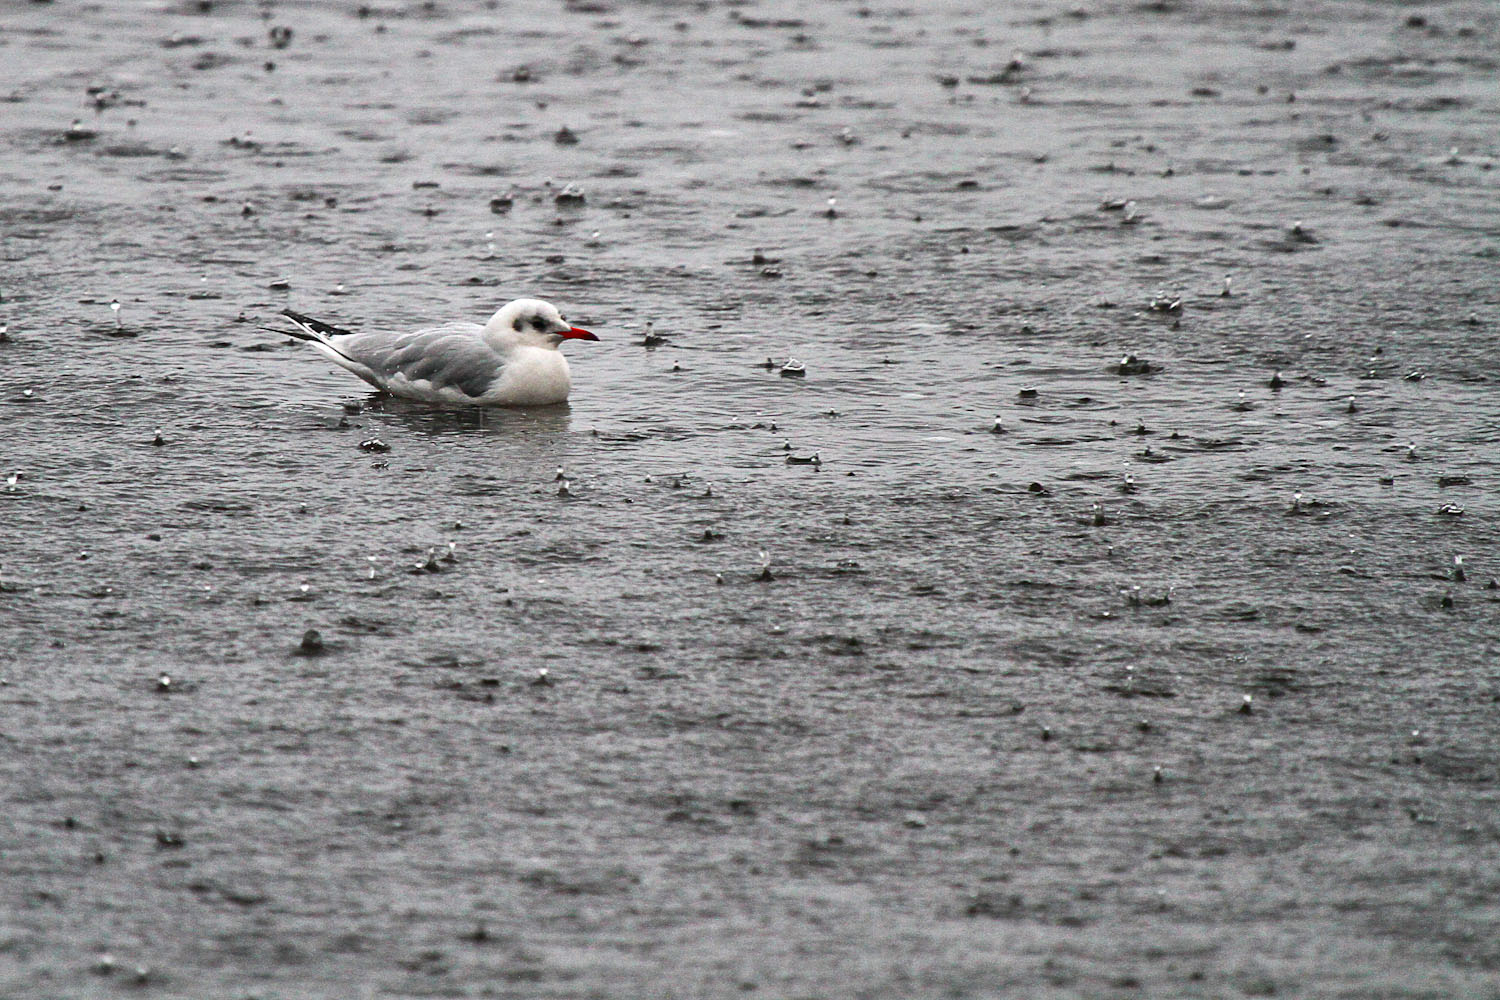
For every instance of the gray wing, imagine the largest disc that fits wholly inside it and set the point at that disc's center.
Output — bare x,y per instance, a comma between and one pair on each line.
451,356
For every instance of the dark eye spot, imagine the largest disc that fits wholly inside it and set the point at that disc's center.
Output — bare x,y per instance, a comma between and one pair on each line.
517,323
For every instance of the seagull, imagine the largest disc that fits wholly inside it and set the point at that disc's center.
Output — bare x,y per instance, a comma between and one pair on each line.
512,360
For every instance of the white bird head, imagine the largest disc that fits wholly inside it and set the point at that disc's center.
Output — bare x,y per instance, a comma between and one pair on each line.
534,322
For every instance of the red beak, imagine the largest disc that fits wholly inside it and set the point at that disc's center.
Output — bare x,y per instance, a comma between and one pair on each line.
574,333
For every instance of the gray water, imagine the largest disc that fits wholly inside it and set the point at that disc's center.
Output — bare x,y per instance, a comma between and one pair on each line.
858,732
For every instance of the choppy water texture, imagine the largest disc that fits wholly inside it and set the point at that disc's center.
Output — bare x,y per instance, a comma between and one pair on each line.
919,759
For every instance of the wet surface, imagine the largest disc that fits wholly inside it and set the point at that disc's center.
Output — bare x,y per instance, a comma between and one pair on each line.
559,733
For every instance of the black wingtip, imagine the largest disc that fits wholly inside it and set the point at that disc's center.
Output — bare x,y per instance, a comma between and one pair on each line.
315,325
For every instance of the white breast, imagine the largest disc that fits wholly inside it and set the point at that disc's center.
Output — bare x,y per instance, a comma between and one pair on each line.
533,376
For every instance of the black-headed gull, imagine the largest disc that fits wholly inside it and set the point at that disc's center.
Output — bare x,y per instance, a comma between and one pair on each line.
512,360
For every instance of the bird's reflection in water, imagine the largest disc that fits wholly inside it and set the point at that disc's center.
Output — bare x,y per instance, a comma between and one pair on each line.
434,419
